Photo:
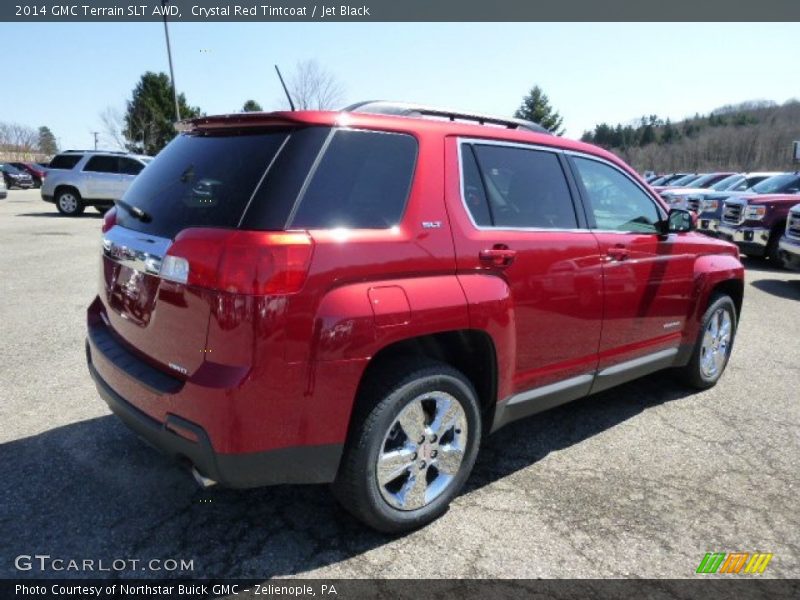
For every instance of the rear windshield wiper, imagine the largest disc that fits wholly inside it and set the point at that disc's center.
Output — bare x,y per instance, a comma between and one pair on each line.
135,211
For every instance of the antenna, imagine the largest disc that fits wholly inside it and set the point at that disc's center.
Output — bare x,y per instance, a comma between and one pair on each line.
286,91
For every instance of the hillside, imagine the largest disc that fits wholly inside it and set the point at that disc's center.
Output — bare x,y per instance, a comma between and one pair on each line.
751,136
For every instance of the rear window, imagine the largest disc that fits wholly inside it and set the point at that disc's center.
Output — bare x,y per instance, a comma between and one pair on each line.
200,180
64,161
362,182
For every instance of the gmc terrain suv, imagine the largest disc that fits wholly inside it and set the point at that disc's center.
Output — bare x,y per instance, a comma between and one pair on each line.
358,297
80,178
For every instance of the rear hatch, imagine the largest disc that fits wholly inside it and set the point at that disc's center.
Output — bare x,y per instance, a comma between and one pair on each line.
201,181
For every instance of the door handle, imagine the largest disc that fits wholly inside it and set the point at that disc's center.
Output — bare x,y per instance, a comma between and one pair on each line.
617,254
499,255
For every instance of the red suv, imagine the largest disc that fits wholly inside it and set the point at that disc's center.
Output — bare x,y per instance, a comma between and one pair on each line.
359,297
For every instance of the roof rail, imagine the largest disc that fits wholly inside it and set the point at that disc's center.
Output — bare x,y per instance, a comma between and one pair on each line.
99,151
406,109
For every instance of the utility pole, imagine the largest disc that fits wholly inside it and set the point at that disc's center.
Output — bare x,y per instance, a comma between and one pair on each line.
169,56
95,134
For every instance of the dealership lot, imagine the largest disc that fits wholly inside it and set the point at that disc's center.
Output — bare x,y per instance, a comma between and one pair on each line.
638,481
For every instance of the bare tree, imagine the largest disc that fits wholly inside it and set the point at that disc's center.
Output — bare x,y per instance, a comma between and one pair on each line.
18,141
113,127
312,87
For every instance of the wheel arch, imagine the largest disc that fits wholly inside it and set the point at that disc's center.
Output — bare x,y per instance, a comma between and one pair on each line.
470,351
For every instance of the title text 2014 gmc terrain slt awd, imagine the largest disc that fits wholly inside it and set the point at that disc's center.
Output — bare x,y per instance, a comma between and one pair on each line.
358,297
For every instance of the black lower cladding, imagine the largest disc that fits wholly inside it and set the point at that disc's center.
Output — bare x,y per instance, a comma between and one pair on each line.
299,464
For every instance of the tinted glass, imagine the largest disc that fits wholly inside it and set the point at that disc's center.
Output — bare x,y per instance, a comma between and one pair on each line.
730,182
64,161
525,188
362,182
685,180
10,169
128,166
200,181
474,194
617,202
777,184
276,196
102,164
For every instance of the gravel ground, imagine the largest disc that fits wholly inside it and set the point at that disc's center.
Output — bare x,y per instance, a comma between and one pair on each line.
640,481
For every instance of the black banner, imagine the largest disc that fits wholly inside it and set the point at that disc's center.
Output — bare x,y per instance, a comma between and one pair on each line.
400,11
432,589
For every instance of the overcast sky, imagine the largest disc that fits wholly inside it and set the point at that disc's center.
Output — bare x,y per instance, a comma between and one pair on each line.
68,73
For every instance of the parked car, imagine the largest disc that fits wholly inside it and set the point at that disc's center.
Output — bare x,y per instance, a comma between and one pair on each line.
672,180
678,196
80,178
3,190
790,242
755,223
36,172
709,204
665,179
15,178
359,297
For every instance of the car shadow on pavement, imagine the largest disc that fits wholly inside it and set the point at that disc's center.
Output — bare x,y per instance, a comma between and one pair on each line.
782,288
93,490
761,265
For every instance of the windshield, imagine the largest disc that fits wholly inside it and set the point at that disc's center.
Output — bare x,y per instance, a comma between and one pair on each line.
10,169
729,182
776,184
685,180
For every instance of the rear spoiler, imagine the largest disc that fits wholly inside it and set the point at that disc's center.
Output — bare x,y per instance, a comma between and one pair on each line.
249,119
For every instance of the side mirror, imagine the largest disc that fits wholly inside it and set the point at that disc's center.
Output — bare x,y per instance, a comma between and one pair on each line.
679,221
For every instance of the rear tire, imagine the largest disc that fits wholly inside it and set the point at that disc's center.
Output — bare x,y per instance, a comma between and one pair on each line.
412,445
713,346
69,203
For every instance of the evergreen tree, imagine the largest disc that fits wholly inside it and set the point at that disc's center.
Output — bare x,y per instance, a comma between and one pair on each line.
536,107
251,106
47,141
150,114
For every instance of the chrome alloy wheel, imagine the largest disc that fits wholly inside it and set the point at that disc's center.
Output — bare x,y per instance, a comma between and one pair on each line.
716,343
422,452
68,202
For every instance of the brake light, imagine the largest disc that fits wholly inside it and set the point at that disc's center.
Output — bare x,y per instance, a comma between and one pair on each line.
109,219
239,262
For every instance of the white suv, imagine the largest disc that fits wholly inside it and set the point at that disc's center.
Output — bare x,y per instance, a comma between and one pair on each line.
80,178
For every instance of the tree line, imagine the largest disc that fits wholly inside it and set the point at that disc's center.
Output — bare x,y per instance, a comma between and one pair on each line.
750,136
20,142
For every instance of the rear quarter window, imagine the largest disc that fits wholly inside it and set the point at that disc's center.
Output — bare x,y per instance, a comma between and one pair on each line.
64,161
361,182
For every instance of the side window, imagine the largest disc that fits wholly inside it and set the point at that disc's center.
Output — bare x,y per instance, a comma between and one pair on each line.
64,161
617,202
474,194
525,188
128,166
102,164
362,182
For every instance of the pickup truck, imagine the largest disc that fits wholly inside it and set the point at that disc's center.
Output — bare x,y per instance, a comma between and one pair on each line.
756,223
790,242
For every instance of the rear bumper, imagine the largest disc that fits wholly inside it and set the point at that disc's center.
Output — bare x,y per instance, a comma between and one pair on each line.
187,441
790,253
751,240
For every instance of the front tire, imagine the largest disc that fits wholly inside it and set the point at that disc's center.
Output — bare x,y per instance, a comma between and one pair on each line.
69,203
413,445
714,344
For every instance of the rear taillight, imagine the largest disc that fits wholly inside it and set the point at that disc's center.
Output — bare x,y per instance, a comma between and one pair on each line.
239,262
109,219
